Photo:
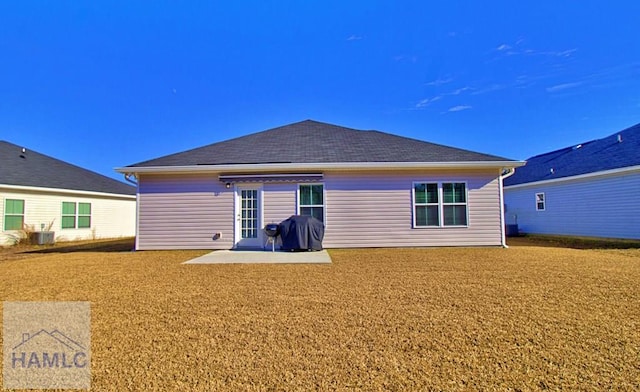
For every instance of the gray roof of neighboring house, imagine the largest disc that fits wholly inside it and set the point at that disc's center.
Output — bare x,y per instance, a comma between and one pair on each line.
597,155
38,170
315,142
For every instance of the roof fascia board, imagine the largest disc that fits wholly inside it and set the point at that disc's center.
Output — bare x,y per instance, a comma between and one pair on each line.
320,166
65,191
603,173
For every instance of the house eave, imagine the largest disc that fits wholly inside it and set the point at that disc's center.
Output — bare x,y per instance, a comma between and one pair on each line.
586,176
38,189
352,166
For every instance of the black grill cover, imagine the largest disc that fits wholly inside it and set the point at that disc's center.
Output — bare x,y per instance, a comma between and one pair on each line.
301,232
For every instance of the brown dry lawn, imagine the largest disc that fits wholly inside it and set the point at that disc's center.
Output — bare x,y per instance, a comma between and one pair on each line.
523,318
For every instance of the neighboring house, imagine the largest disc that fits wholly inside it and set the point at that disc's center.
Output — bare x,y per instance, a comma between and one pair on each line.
371,189
590,189
39,191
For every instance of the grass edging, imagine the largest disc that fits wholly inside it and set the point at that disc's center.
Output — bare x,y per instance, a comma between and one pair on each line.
576,242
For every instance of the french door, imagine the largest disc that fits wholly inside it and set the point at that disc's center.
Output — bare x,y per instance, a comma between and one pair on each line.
248,228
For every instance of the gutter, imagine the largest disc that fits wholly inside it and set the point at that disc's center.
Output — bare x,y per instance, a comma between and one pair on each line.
127,178
586,176
37,189
271,167
509,172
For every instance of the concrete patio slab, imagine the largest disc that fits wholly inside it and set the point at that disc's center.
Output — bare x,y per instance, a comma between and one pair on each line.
261,257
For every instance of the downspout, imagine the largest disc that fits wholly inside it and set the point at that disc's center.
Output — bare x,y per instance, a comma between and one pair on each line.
127,177
509,172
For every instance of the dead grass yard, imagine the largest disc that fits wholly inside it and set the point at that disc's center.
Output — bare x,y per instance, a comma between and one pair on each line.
523,318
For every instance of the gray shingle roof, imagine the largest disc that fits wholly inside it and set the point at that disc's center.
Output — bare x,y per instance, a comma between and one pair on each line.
315,142
597,155
38,170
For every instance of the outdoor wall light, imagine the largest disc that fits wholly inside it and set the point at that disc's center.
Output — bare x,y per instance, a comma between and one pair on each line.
227,185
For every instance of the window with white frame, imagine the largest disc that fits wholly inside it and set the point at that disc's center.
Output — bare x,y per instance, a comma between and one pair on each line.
311,200
76,215
438,204
426,204
454,203
540,202
13,214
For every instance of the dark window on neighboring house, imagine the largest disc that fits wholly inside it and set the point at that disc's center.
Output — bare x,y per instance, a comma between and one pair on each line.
540,202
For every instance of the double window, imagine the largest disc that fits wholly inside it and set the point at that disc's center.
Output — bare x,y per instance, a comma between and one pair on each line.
13,214
440,204
76,215
311,200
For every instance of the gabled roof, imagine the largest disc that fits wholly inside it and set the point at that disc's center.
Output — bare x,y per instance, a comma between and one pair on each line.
312,142
619,150
30,168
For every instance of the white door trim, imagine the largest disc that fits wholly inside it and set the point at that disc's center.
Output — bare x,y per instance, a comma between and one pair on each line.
258,241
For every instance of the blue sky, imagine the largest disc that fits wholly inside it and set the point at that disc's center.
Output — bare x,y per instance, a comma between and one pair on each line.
106,84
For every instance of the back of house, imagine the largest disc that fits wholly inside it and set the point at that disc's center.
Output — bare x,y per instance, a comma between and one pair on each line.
369,188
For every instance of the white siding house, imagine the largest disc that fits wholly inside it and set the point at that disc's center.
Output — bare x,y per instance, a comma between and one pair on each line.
591,189
592,205
40,193
370,189
109,215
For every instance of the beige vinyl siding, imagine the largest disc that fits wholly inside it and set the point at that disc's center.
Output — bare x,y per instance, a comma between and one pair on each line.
604,206
184,212
363,209
279,201
375,210
112,216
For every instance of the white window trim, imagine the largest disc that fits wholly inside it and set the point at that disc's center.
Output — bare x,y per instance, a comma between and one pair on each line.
77,215
4,213
544,201
414,205
440,204
324,199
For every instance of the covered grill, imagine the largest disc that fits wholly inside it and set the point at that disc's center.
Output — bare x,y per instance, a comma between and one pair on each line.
300,232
